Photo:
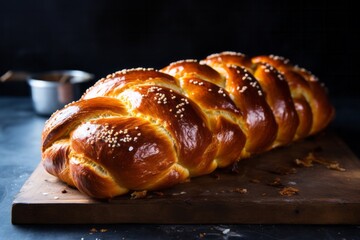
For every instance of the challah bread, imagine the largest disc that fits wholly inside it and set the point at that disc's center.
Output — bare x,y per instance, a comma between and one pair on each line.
142,129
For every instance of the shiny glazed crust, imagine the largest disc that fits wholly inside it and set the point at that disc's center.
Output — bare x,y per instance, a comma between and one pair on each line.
142,129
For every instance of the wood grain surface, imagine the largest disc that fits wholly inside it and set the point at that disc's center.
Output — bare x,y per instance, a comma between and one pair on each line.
251,192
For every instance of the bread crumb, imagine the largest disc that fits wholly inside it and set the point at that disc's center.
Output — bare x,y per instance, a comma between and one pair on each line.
202,235
240,190
312,158
288,191
307,161
336,166
159,193
180,193
276,183
138,194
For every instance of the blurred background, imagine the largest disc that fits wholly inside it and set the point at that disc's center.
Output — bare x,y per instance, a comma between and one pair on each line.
109,35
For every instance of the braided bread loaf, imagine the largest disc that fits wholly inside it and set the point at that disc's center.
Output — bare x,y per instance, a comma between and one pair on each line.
143,129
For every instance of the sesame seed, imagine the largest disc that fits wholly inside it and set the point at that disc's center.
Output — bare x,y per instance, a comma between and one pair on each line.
183,61
243,89
313,78
253,84
260,93
131,148
225,53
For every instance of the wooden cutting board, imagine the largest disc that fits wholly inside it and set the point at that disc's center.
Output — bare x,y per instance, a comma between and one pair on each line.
249,195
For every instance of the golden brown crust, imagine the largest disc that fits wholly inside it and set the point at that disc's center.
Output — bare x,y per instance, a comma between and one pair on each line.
303,110
142,129
249,98
62,122
278,96
133,152
304,85
56,161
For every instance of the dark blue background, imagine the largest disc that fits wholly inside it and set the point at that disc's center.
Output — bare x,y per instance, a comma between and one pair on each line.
105,36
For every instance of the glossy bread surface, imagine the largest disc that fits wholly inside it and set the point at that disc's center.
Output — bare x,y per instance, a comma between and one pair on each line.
143,129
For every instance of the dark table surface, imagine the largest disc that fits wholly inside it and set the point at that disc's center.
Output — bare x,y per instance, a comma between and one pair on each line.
20,133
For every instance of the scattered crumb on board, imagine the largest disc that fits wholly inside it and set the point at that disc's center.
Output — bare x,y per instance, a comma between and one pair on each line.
138,194
288,191
276,183
311,158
